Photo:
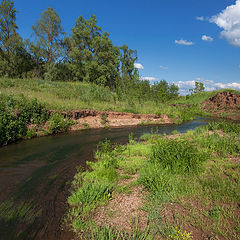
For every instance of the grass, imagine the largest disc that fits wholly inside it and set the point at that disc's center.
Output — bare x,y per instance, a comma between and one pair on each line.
77,95
190,186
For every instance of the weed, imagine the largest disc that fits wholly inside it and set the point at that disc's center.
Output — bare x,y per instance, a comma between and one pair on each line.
86,125
181,235
104,119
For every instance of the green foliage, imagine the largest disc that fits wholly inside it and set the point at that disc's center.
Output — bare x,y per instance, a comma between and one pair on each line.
177,175
108,233
14,59
180,234
94,58
57,123
163,92
48,33
199,87
226,127
16,114
57,72
177,156
92,188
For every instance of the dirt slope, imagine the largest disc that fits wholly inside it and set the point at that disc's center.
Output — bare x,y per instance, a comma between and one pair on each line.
99,119
224,104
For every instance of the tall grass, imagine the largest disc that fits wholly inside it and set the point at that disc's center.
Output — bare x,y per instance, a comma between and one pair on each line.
226,127
177,156
79,95
94,187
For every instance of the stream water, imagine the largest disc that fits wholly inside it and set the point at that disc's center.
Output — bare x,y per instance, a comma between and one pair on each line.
36,175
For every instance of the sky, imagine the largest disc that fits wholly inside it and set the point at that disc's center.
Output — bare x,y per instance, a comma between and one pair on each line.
180,41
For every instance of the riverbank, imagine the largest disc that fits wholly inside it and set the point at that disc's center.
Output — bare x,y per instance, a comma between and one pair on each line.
25,108
36,177
165,187
90,119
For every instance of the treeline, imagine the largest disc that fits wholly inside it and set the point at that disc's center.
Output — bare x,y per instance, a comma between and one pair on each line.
86,54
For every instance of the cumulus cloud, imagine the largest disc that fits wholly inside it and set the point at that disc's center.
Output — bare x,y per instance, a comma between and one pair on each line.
150,79
229,21
163,67
210,85
138,66
201,18
207,38
184,42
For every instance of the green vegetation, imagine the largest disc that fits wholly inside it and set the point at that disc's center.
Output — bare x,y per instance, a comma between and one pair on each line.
82,70
189,186
86,55
22,118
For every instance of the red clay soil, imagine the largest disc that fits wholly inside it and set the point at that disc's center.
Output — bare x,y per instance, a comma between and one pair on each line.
99,119
224,104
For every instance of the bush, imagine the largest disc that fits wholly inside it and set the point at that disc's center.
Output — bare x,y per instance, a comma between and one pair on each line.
16,114
57,123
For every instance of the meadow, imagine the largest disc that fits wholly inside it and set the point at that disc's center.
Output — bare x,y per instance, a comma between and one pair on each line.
181,186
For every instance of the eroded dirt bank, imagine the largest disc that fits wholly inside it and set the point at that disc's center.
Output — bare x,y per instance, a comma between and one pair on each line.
100,119
224,104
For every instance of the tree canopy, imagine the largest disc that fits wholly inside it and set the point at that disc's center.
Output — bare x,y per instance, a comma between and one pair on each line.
86,54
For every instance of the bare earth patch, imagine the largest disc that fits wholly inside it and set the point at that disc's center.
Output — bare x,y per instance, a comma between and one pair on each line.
123,210
100,119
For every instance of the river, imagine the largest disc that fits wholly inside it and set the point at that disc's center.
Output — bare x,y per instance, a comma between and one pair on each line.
36,175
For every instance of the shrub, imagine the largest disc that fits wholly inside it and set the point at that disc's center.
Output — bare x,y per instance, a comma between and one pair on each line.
15,115
57,123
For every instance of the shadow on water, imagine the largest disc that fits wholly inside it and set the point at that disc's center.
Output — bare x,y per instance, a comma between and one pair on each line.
35,177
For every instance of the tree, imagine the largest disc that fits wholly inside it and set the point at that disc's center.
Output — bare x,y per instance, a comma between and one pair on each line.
162,91
129,74
93,57
8,26
49,33
81,44
199,87
10,42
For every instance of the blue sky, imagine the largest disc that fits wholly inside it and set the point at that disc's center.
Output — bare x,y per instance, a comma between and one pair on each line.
179,41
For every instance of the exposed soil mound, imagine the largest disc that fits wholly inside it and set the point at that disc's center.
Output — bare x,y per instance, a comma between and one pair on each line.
223,101
224,104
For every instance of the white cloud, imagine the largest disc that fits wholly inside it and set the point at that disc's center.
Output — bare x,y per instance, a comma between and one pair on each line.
150,79
164,68
210,85
229,20
138,66
184,42
201,18
207,38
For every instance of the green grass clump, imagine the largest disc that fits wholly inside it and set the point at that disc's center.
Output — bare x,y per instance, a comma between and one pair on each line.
107,233
229,144
93,188
226,127
177,156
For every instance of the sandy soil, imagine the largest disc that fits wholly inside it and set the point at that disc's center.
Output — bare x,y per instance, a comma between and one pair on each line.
100,119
